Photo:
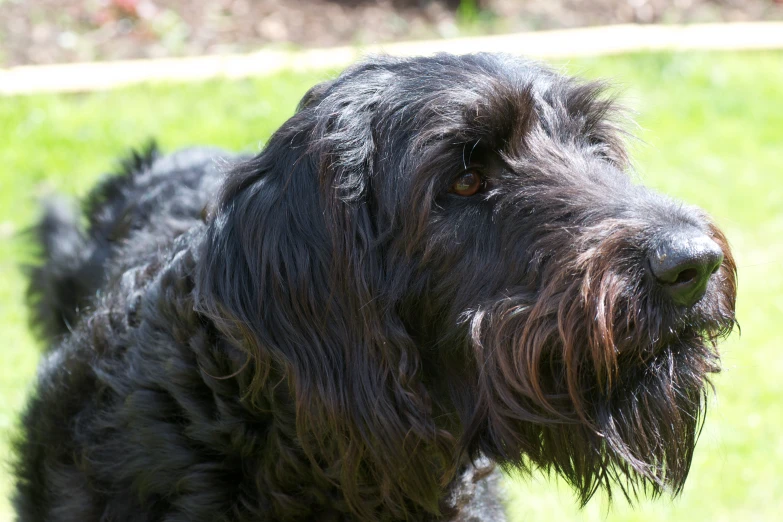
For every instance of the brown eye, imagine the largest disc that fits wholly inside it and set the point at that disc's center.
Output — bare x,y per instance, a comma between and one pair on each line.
467,184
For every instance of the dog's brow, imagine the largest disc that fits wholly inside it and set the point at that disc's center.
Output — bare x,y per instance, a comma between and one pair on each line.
470,157
472,149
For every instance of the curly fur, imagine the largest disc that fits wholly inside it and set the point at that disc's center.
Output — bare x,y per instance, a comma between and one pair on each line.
326,332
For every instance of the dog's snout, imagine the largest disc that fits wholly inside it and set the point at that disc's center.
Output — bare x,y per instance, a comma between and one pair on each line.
683,262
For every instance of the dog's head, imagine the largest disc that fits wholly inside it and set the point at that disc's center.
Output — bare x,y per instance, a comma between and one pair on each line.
447,256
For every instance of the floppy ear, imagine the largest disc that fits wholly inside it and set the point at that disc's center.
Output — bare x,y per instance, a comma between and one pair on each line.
292,272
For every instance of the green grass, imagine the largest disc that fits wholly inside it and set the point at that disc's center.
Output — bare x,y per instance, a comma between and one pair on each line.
712,134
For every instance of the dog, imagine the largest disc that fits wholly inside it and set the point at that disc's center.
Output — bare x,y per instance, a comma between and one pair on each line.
436,266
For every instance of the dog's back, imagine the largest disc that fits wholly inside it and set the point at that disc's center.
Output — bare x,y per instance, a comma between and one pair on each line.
159,196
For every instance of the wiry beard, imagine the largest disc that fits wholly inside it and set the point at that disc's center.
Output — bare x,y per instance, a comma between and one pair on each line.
595,377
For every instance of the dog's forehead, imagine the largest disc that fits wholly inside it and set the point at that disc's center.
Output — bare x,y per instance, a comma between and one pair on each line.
457,82
408,109
484,94
446,71
460,82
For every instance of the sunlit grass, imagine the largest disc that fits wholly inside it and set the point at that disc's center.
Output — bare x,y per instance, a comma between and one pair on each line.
712,134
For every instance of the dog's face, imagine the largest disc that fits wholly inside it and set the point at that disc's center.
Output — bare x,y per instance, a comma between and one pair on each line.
459,263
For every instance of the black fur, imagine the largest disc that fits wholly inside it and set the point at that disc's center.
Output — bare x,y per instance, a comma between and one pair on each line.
336,334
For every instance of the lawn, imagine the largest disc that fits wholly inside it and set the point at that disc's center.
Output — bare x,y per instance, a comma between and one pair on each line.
712,134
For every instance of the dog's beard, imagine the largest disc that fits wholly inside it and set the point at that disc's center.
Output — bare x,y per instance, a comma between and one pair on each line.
594,377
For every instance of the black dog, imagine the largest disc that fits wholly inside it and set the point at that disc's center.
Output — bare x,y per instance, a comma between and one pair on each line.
436,263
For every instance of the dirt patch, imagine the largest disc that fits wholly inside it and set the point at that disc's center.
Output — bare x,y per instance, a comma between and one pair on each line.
57,31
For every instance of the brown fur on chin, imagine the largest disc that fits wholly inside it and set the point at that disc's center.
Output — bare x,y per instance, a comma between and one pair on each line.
599,390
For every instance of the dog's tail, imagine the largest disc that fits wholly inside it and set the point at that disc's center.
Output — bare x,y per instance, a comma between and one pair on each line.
60,284
72,262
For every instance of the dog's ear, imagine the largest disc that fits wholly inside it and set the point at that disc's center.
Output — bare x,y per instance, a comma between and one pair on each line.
292,272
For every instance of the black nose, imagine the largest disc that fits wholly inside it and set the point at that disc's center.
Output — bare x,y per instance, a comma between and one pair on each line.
683,262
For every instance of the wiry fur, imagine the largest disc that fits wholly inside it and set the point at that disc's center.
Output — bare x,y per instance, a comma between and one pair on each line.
343,338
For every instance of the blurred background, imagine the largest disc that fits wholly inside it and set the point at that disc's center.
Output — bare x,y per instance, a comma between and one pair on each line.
711,129
54,31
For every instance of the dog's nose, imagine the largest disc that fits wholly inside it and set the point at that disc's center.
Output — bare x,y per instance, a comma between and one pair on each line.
683,262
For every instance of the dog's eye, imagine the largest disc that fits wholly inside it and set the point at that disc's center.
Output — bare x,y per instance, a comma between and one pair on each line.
467,184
